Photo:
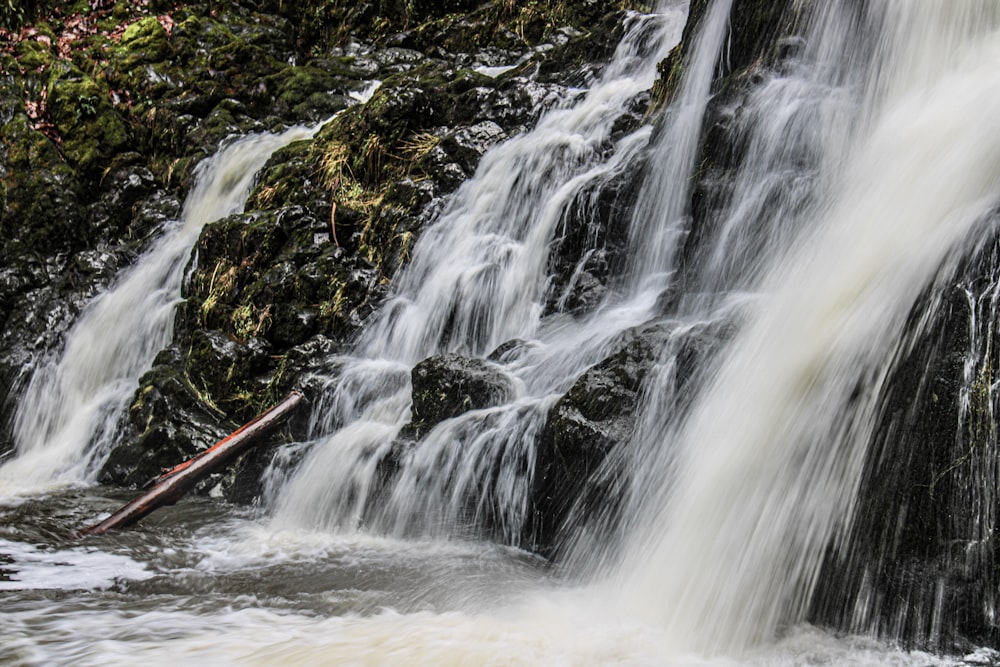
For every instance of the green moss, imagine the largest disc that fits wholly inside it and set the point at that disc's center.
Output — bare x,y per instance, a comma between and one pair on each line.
38,182
34,54
26,148
83,116
296,85
145,41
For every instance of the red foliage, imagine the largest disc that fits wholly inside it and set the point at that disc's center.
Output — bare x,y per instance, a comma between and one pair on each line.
76,28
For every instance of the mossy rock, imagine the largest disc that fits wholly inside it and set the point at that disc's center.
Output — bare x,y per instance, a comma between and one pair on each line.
82,114
168,422
307,92
33,54
449,385
25,147
37,183
273,279
145,41
235,373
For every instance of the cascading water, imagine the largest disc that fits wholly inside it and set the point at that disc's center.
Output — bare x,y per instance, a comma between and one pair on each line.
767,465
66,420
478,279
872,158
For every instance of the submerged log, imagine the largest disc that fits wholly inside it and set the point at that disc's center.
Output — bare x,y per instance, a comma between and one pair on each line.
169,487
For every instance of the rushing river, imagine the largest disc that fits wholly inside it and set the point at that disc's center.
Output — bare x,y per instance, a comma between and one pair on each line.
211,585
874,158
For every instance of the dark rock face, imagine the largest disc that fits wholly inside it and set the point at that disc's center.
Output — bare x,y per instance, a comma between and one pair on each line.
921,547
449,385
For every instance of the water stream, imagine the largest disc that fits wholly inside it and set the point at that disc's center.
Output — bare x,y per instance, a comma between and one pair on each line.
873,165
66,420
477,280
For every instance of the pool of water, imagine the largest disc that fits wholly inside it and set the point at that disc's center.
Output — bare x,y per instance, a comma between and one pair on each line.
208,582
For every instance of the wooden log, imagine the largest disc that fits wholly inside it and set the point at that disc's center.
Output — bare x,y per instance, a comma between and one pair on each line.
169,487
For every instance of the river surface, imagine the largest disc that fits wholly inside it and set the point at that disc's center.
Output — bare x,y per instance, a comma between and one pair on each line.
207,583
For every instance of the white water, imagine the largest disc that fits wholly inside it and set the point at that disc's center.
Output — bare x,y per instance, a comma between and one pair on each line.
478,279
572,637
661,214
66,419
770,459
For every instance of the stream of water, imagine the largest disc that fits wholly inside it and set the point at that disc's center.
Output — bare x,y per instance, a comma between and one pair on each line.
65,423
873,162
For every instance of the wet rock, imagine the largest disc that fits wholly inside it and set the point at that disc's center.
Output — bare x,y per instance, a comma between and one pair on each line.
591,239
167,423
449,385
128,183
589,422
228,368
467,145
321,280
152,213
581,55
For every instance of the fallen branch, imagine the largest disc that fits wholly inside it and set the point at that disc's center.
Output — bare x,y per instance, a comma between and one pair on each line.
169,487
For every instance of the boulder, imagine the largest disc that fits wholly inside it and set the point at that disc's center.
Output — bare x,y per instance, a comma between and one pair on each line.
578,477
449,385
168,422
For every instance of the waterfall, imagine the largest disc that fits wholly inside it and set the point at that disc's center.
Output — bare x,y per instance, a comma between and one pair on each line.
801,288
66,419
741,497
477,279
660,217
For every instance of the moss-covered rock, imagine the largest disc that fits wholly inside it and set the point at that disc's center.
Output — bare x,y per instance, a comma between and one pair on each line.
81,113
267,282
37,183
168,422
143,42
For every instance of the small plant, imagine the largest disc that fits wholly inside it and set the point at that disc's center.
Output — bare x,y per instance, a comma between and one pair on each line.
219,285
373,154
332,166
419,146
86,107
249,321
